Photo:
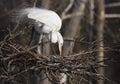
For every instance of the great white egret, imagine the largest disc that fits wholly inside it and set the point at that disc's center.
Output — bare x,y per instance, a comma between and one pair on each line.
44,21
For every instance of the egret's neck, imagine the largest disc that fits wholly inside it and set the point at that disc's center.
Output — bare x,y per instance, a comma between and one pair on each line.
57,37
60,42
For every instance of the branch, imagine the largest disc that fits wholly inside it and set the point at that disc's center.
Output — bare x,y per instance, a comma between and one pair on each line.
72,15
112,5
112,15
67,9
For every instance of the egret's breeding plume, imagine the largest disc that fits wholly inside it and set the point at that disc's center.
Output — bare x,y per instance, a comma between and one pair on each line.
44,21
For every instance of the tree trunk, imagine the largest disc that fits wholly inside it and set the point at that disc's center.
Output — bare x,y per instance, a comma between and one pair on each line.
100,30
91,14
72,28
45,49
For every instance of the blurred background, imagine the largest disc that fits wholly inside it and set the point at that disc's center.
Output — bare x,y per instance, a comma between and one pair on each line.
87,25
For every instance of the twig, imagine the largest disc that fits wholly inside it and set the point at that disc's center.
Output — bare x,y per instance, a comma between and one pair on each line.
67,8
113,5
112,15
72,15
47,74
17,25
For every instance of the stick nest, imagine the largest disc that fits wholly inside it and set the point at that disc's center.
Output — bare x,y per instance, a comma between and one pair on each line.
17,60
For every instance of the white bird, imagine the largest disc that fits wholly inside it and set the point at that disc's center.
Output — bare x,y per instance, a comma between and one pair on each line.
45,21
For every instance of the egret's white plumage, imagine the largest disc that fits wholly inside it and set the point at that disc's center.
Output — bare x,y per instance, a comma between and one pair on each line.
47,17
45,21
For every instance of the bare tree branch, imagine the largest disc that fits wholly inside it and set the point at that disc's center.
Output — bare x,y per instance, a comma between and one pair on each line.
100,36
112,15
67,9
112,5
71,15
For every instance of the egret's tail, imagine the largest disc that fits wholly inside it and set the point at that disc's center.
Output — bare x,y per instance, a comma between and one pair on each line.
20,15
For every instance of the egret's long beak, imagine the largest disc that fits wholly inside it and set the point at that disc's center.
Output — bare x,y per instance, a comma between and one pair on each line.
60,42
61,51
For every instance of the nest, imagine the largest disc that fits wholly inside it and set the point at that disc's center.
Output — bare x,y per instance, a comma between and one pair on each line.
17,60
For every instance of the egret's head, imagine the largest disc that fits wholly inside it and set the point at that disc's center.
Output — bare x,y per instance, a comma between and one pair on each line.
57,37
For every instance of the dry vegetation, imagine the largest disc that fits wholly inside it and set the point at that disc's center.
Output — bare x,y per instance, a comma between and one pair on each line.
17,60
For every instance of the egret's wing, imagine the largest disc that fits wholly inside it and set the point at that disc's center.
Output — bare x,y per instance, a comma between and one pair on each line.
47,17
46,29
